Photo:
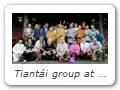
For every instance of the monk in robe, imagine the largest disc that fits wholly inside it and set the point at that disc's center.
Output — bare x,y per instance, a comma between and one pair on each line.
51,35
60,33
79,35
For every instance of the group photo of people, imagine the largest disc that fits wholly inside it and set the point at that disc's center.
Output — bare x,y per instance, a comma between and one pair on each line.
63,42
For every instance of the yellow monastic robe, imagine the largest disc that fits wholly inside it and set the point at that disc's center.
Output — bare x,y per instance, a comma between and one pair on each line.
79,33
51,35
58,32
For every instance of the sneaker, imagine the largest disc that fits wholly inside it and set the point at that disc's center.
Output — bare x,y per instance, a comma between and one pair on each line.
37,60
53,58
24,60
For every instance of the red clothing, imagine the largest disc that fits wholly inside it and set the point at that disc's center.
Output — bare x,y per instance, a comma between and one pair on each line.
83,28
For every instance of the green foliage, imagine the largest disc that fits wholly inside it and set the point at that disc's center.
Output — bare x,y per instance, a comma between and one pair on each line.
14,37
106,47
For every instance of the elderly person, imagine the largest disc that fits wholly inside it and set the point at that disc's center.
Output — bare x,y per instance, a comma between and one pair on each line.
95,48
38,48
75,50
49,50
62,49
37,33
88,34
71,33
84,49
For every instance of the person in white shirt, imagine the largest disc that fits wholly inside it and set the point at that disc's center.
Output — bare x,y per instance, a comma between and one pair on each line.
18,50
76,26
84,48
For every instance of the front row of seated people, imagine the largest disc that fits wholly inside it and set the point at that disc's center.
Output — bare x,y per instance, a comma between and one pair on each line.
93,50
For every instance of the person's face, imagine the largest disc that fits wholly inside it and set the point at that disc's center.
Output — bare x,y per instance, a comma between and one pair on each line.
79,27
46,25
83,40
87,27
83,23
94,40
29,25
65,27
49,42
75,25
29,41
55,27
51,28
20,41
97,32
71,25
41,38
62,39
92,26
37,26
75,42
60,26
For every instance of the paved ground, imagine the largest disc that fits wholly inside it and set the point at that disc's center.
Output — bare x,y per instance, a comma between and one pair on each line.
57,62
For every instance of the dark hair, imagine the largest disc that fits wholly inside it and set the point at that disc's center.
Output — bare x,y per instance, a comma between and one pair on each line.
29,39
74,41
83,21
21,39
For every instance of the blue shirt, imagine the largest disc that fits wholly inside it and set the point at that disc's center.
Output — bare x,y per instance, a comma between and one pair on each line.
101,37
93,32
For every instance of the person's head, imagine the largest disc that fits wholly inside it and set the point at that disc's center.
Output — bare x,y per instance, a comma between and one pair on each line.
79,27
83,23
76,25
60,25
83,40
36,26
87,27
49,41
74,42
29,41
71,25
39,25
29,25
62,40
41,38
46,25
94,40
20,40
97,32
65,27
64,22
51,29
60,22
92,26
55,27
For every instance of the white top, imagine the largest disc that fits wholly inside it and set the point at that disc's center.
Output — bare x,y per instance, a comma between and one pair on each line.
18,48
65,30
76,29
62,47
85,46
39,44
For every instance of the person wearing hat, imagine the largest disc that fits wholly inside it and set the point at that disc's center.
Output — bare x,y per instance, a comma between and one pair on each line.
18,50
